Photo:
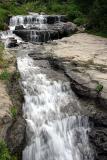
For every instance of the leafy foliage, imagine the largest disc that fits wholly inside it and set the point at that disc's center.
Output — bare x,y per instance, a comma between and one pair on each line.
5,75
13,111
4,152
99,88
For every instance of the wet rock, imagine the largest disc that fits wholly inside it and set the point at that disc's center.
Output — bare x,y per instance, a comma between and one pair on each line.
98,136
56,31
53,19
19,27
16,136
42,28
11,42
37,35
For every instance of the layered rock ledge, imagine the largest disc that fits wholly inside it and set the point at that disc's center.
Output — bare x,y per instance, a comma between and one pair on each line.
83,58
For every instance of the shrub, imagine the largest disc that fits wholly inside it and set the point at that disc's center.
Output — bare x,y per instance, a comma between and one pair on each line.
5,75
13,111
4,152
79,21
99,88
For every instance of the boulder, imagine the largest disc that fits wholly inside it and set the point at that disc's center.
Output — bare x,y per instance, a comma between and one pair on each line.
11,42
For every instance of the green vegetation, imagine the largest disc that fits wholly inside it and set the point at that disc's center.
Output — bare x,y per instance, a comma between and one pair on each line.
13,112
99,88
4,75
4,152
78,11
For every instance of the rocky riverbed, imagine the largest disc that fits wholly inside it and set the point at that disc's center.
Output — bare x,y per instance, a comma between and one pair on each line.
82,59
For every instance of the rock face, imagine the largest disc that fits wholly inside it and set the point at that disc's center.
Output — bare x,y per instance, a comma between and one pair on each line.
16,137
5,100
5,104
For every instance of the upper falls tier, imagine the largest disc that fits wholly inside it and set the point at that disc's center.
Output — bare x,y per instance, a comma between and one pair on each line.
40,27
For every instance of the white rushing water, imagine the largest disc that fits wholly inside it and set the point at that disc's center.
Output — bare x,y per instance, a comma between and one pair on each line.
38,21
28,21
51,133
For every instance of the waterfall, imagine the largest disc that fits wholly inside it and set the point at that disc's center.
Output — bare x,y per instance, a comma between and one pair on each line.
36,28
51,133
39,22
29,21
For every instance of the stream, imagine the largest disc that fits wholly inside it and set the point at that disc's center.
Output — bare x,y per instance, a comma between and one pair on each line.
56,127
56,130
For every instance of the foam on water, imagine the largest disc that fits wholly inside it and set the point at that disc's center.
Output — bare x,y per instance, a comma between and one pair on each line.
51,133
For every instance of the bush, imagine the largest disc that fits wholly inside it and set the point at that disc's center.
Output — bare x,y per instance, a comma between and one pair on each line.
80,21
3,18
13,111
5,75
99,20
99,88
4,152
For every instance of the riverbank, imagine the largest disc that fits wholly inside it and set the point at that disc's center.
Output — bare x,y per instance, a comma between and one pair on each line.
12,125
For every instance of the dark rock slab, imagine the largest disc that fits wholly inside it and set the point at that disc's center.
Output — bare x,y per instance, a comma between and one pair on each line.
98,136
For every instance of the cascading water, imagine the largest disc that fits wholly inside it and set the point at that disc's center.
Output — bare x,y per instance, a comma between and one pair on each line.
36,28
51,133
31,21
